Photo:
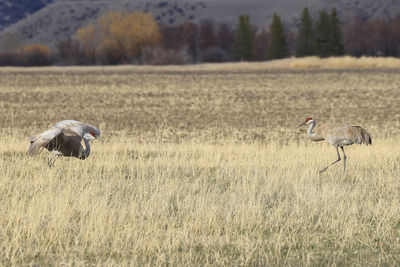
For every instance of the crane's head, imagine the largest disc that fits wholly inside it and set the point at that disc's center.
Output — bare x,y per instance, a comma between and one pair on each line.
307,121
92,135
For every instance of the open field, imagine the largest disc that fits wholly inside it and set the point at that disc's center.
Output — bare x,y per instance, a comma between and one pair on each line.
200,167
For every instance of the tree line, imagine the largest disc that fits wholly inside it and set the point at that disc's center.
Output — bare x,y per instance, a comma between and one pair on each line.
136,38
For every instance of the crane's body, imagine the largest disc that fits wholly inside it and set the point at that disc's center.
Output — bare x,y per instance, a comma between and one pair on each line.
65,139
338,135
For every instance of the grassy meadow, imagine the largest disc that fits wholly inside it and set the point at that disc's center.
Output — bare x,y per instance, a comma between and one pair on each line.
201,165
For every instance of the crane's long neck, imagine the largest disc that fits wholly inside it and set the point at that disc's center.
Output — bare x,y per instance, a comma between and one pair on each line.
310,133
85,152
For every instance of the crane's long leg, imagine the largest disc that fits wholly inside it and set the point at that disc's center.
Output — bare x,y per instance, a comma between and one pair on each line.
53,160
50,163
337,151
344,161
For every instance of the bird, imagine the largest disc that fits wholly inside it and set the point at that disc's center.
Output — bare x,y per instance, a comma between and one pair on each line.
64,139
338,135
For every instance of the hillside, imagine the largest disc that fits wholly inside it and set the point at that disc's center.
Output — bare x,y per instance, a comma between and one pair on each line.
14,11
50,21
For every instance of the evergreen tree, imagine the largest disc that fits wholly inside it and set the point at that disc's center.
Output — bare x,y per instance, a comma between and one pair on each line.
243,42
335,38
277,43
322,35
305,41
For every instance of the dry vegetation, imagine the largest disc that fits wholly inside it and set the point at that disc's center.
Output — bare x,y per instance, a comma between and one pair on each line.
345,62
200,167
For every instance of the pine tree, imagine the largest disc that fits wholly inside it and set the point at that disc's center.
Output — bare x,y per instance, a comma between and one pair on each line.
277,47
243,42
322,35
335,35
305,42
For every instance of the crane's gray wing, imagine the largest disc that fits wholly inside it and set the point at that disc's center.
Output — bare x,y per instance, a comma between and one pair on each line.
65,123
72,136
41,140
71,126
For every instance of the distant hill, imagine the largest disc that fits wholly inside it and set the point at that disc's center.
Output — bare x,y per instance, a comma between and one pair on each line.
48,21
15,10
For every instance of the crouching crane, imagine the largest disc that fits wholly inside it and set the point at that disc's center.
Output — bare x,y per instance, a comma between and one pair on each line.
64,139
338,135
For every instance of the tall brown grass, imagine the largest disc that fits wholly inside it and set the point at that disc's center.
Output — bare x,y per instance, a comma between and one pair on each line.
200,204
200,167
346,62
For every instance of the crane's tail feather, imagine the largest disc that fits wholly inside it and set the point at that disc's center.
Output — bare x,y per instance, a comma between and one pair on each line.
36,146
40,141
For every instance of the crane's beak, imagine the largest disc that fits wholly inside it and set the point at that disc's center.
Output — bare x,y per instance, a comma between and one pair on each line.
300,124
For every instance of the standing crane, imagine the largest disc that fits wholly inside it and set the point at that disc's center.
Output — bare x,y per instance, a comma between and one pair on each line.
338,135
64,139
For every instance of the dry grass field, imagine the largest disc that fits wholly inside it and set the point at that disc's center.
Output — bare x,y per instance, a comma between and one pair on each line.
200,166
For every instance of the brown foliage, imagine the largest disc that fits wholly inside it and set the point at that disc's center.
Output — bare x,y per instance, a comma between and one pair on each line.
125,35
34,55
118,37
29,55
87,36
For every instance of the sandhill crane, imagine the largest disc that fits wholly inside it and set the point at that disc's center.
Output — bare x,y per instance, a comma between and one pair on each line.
338,135
64,139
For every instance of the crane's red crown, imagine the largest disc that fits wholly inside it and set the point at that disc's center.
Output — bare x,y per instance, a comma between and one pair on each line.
308,119
92,134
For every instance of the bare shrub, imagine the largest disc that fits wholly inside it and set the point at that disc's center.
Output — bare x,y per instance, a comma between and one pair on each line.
29,55
184,36
69,52
7,59
214,54
161,56
260,45
35,55
111,54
